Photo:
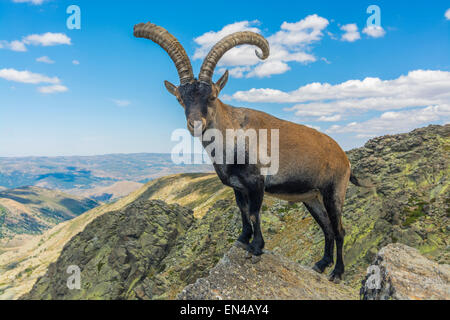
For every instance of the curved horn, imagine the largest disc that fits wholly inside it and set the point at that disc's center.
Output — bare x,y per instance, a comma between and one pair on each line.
227,43
170,44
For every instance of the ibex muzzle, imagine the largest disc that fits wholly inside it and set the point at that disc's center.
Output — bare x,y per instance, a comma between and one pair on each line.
313,169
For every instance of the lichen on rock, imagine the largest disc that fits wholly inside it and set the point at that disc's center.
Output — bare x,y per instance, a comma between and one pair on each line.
274,277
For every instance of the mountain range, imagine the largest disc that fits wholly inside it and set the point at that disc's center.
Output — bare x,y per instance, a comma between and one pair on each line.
85,174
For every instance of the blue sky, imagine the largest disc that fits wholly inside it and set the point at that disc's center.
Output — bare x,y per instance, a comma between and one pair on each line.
99,90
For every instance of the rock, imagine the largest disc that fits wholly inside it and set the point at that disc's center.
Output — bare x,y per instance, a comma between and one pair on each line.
116,253
400,272
148,250
274,277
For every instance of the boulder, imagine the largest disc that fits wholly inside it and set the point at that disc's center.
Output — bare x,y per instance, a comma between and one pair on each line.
400,272
273,277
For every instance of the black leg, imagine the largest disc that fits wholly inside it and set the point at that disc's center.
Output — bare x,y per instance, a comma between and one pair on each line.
334,208
255,199
319,213
247,231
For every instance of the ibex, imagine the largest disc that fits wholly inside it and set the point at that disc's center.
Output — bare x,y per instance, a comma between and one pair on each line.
313,169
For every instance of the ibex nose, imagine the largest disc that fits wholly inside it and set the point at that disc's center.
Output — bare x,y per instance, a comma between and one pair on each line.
196,126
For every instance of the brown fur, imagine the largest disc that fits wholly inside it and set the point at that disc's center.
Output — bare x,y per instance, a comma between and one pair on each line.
303,150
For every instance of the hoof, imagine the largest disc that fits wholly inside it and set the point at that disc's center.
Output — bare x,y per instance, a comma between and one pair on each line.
256,259
255,250
240,245
321,265
248,255
317,269
335,277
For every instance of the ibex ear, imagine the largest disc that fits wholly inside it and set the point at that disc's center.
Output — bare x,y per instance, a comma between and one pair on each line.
171,88
222,81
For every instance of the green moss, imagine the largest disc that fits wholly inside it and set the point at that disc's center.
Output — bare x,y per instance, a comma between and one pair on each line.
132,285
99,266
414,212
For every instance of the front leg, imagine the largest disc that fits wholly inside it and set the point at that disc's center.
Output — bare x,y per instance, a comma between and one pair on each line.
256,196
247,230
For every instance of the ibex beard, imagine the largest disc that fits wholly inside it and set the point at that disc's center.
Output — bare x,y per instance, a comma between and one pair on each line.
313,169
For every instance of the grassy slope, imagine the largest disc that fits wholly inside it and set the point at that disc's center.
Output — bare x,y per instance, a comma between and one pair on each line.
197,191
110,193
32,210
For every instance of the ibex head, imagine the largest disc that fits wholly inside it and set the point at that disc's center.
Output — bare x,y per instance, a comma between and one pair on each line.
198,96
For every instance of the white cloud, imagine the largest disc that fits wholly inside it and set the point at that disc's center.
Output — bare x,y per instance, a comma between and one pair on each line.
236,72
52,89
396,121
374,31
121,103
26,77
45,40
410,100
416,84
45,59
447,14
209,39
268,68
17,46
325,60
35,2
333,118
365,136
291,43
331,35
305,31
314,127
76,62
34,78
351,32
13,45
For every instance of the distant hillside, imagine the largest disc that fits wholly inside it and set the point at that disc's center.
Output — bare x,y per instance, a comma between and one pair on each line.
112,192
23,259
32,210
75,174
410,205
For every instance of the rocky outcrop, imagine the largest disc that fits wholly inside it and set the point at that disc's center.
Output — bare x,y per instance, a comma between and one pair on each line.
148,250
274,277
400,272
116,252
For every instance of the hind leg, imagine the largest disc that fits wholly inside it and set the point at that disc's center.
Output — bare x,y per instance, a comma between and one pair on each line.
334,201
319,213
